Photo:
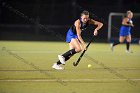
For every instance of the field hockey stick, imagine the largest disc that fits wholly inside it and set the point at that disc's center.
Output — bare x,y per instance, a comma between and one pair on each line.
77,62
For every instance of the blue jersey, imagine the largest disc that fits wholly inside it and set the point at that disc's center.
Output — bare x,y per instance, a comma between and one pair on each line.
125,30
72,33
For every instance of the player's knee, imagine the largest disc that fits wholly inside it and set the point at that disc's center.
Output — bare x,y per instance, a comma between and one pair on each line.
121,41
129,40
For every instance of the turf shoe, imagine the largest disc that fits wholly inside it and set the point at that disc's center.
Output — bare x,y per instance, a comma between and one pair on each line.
57,67
129,51
112,47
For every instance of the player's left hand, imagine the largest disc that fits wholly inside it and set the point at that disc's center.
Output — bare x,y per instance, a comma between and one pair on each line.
132,25
95,32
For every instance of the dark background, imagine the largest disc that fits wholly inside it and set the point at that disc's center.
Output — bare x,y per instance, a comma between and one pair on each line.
49,20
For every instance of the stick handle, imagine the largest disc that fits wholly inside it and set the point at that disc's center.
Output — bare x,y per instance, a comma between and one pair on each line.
77,62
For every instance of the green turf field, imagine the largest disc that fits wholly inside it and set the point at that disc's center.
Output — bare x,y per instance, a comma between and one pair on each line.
25,67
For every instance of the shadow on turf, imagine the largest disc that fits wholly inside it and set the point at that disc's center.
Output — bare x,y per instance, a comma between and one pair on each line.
34,66
112,71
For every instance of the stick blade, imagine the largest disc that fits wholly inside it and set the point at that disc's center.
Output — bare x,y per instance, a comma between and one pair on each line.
74,64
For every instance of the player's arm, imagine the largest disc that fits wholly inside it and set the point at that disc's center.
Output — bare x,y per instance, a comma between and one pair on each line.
78,30
98,24
126,22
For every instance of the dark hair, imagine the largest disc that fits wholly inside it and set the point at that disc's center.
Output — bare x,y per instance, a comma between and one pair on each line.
85,13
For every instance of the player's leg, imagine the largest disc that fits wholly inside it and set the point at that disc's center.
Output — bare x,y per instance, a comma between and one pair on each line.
114,44
71,46
128,39
75,44
121,40
72,39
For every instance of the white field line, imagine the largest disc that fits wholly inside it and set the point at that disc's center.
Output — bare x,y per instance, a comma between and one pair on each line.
37,51
67,80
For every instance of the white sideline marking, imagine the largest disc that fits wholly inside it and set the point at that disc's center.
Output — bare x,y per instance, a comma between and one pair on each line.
38,51
67,80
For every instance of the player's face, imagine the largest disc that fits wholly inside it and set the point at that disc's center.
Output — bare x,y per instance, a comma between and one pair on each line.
85,18
130,15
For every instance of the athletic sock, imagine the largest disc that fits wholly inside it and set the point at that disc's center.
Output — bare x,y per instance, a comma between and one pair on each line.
69,53
127,45
116,43
67,58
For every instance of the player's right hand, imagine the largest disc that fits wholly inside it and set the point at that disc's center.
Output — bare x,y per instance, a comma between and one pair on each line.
84,47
